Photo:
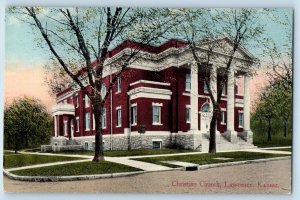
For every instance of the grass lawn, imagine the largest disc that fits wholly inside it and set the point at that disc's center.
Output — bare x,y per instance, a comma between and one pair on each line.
21,160
281,149
207,158
139,152
277,140
82,168
8,152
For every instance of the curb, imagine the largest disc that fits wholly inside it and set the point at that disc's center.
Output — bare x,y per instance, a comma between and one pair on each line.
68,178
200,167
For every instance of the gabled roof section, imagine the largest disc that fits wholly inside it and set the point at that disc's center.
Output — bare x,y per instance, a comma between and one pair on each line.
242,50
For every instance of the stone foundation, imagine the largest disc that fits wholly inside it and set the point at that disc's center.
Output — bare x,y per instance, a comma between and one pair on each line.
182,140
127,141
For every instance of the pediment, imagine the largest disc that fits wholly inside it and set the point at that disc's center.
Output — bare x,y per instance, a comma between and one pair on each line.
224,45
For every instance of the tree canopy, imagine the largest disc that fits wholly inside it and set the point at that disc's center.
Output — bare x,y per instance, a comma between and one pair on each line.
27,124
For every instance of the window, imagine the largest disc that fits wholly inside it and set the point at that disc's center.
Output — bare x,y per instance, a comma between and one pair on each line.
65,128
103,90
156,144
118,85
241,120
223,117
86,146
188,114
93,145
87,121
188,82
205,89
86,101
119,117
205,108
104,118
156,114
133,114
76,100
77,124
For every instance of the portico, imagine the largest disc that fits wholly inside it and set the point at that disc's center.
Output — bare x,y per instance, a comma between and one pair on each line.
230,133
63,115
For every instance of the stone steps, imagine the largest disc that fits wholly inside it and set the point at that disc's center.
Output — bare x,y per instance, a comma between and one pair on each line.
223,144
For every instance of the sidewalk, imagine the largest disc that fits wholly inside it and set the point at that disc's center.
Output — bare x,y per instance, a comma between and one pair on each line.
136,164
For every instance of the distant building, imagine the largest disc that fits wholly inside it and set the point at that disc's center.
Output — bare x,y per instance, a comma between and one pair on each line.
154,93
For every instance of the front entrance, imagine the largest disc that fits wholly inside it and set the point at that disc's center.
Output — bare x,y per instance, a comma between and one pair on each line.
205,117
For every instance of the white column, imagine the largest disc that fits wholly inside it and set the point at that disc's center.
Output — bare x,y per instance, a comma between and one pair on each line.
246,103
232,135
247,133
55,125
194,96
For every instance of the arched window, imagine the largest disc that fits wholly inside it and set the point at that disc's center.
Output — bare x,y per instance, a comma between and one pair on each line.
205,108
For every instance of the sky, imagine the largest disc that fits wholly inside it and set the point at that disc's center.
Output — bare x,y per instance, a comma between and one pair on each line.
24,60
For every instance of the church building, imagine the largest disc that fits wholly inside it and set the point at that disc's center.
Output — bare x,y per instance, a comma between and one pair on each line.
161,100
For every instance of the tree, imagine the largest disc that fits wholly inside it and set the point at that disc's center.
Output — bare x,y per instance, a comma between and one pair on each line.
76,37
242,27
275,105
279,66
26,124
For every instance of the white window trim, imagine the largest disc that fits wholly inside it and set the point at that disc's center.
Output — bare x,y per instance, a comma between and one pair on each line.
89,122
118,86
223,110
188,121
119,125
94,124
224,91
240,111
134,105
157,140
77,125
157,105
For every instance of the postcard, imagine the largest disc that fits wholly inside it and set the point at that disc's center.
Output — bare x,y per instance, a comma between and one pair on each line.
148,100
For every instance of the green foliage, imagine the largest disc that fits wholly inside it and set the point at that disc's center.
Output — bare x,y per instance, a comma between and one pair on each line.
275,104
26,124
278,140
21,160
208,158
82,168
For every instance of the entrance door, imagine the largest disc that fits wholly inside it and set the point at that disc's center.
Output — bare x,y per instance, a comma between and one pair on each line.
205,117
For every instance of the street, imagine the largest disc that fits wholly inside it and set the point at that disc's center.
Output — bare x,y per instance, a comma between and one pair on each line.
265,177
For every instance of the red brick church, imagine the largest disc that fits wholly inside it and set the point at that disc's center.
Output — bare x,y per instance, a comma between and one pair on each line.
162,95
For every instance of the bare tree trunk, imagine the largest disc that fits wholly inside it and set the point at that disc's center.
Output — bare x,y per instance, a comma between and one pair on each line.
269,129
212,131
285,126
15,142
99,150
